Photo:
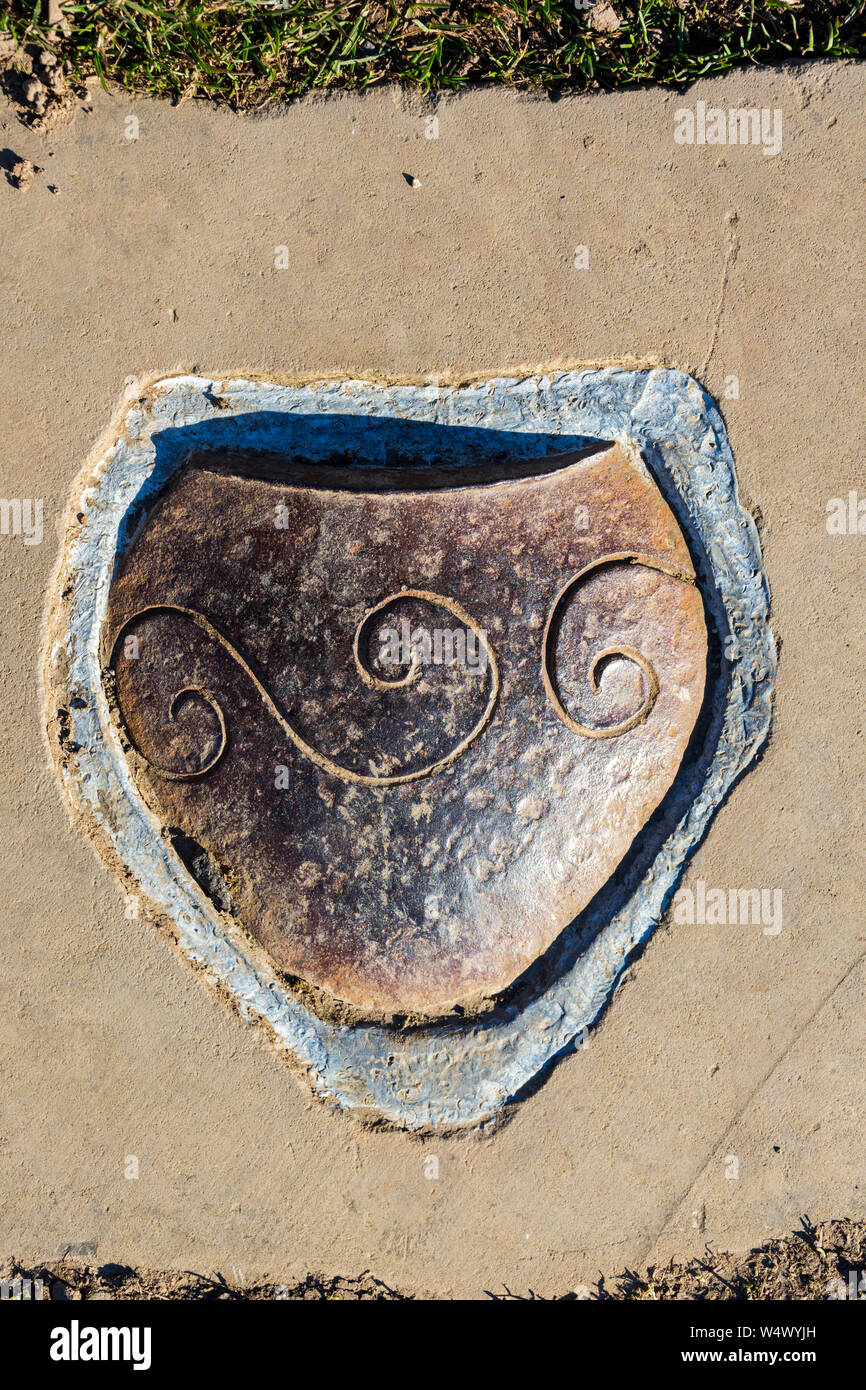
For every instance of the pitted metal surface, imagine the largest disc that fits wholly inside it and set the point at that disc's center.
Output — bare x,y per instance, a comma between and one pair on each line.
408,829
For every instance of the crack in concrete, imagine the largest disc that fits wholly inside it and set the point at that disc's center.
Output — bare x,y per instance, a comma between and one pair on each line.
719,1141
730,257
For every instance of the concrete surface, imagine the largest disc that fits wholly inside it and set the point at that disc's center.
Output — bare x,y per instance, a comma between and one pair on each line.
722,1095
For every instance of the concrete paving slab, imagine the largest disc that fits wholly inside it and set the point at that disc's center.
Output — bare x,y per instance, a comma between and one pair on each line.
721,1097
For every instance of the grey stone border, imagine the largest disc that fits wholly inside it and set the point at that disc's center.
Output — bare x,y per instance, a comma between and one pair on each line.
443,1076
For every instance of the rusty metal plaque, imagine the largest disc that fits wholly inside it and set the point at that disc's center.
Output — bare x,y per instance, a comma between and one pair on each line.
404,715
403,831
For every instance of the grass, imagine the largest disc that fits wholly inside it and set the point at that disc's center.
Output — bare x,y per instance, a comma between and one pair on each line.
249,53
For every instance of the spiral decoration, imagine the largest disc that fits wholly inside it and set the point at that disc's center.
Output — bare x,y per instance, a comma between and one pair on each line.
650,678
345,774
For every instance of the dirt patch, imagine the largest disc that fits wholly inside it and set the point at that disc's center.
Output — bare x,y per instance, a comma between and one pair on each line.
822,1261
67,1280
20,173
33,79
816,1262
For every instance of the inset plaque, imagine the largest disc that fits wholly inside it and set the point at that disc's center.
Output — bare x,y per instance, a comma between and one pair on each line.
403,708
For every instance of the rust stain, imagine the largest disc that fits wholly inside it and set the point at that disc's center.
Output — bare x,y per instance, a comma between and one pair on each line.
406,834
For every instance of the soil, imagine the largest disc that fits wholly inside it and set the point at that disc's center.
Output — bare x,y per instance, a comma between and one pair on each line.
808,1264
814,1262
33,79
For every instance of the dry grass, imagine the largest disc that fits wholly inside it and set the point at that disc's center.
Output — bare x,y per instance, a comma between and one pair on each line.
818,1262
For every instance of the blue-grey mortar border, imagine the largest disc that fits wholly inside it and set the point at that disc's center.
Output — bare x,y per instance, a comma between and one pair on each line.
439,1077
